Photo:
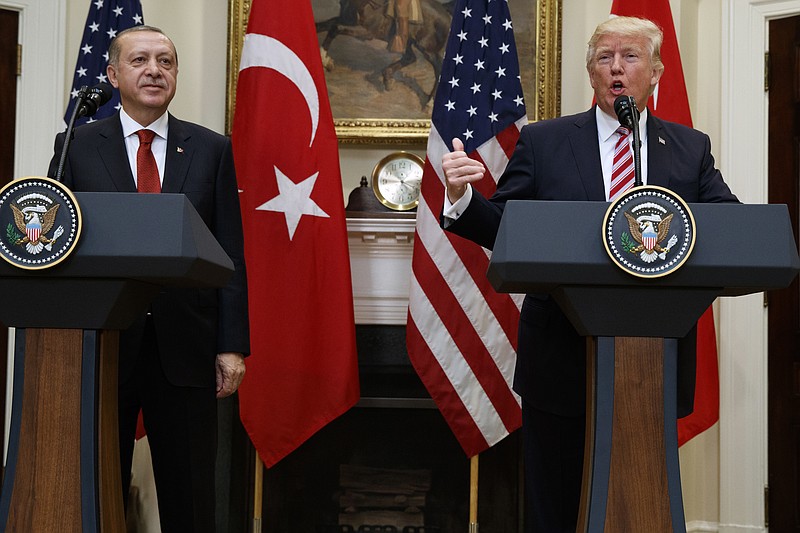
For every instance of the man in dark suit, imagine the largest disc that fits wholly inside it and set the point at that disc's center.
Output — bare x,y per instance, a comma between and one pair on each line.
571,158
188,350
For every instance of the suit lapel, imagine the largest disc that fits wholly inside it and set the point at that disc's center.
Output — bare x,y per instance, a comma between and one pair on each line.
111,150
179,154
659,153
587,155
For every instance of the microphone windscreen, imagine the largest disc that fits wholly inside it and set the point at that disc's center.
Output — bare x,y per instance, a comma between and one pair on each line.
104,90
624,107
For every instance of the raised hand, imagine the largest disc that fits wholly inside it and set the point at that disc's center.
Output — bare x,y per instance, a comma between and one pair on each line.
460,170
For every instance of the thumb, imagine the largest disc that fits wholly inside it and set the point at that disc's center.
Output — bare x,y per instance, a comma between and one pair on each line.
458,146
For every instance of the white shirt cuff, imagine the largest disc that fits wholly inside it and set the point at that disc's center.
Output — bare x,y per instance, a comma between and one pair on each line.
453,211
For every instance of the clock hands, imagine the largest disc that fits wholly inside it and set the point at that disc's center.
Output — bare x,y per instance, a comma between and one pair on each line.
396,180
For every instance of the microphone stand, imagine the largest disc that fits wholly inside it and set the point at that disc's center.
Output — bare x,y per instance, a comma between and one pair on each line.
78,111
637,147
628,115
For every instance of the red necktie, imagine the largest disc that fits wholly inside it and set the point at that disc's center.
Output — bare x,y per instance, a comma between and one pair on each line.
147,179
622,170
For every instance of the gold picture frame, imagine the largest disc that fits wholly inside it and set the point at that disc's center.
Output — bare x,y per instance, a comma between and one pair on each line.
537,26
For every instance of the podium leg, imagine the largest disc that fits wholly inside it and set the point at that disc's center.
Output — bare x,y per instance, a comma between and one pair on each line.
631,478
62,471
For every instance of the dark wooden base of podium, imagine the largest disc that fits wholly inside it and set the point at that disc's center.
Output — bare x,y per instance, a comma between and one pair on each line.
62,472
631,474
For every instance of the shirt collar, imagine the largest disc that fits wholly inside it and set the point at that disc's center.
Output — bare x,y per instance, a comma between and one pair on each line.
607,125
130,126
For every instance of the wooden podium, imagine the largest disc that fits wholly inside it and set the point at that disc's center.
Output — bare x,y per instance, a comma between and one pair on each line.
631,468
62,471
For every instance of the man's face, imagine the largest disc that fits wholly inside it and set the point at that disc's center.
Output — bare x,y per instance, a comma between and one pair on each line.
146,75
622,65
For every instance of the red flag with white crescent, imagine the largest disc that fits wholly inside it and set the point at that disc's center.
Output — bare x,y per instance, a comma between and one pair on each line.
670,102
303,371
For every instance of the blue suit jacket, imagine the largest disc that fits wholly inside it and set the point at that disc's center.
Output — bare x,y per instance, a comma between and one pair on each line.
559,159
192,325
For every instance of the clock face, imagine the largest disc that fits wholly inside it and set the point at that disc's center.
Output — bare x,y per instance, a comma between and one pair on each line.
396,180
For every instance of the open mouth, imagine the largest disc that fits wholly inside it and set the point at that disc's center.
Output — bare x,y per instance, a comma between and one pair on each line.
617,88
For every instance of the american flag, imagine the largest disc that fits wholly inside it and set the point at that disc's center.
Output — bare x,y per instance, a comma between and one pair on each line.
105,20
461,335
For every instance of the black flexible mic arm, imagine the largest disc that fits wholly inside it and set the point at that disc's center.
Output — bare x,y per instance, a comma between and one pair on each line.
637,147
83,93
87,102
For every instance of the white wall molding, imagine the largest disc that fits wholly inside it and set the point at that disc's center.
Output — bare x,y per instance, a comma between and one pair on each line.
743,321
40,105
380,265
700,526
40,88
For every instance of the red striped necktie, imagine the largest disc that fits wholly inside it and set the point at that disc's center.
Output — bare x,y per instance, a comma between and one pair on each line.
147,179
622,169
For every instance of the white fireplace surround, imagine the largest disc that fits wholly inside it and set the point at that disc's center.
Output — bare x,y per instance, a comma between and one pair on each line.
380,265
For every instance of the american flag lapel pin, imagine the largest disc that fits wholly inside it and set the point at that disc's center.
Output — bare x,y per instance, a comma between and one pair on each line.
180,150
660,139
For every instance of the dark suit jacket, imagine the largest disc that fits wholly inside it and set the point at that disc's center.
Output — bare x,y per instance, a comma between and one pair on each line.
559,159
192,325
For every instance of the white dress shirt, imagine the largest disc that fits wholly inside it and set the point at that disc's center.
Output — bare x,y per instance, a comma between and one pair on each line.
158,147
606,137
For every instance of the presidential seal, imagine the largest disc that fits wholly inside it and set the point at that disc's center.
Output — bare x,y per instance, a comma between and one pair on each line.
40,223
649,231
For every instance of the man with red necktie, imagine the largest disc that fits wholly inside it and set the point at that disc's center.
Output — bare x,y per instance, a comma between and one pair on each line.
574,158
188,349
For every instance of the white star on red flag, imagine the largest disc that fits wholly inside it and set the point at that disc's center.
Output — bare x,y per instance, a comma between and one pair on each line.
294,200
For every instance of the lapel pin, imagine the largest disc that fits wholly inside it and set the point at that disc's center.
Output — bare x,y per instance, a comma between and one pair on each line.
660,139
180,150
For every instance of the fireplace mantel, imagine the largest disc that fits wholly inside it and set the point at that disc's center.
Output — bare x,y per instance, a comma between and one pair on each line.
395,428
380,265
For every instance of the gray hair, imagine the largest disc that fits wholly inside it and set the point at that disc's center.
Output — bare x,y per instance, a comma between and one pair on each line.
115,47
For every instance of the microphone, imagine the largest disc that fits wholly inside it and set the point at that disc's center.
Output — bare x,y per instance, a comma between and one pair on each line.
87,104
625,108
93,98
628,115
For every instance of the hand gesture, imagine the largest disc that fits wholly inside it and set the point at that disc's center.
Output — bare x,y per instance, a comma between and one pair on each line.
459,170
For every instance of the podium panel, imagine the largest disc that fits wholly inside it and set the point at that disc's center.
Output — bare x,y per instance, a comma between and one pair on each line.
631,472
631,467
62,471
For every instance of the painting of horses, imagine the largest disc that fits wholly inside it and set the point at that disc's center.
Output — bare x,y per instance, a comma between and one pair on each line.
381,92
367,80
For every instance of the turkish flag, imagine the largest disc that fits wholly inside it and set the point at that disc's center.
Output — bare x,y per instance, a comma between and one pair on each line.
303,370
670,102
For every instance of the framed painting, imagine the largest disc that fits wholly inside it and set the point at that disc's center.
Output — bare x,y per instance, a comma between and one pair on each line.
378,99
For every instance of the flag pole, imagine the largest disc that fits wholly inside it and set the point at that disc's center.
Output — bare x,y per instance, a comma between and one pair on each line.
258,493
473,494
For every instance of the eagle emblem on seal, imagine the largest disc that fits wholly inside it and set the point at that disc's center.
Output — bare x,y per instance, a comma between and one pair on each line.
650,231
35,221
